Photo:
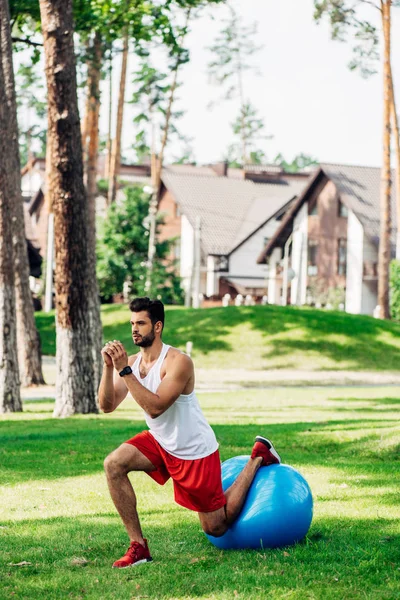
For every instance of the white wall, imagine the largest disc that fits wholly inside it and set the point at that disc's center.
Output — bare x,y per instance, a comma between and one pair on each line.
212,277
298,288
275,258
355,254
243,261
187,252
31,183
369,297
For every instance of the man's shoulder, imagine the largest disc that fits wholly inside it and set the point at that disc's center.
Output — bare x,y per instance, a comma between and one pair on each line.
176,356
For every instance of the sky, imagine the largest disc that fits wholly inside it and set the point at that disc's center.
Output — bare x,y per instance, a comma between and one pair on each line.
305,93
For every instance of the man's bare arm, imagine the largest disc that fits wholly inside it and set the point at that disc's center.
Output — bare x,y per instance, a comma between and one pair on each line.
111,390
171,387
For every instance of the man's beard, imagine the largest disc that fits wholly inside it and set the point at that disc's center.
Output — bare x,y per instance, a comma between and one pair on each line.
147,340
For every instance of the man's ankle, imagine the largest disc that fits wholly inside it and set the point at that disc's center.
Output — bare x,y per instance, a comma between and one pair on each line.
257,461
139,540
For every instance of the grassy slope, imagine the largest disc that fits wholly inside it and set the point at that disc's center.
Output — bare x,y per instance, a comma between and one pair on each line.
57,516
263,337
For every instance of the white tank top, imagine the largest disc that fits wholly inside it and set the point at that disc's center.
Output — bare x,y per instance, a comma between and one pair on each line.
182,429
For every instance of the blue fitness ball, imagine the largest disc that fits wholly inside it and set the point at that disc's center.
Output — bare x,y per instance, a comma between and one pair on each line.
277,511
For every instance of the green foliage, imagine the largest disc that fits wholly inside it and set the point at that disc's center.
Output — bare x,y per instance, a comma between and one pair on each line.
231,48
248,129
122,252
32,109
187,155
301,161
152,100
346,19
102,186
395,289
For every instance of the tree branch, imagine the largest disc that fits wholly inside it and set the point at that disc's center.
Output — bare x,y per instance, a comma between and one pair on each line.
371,3
26,41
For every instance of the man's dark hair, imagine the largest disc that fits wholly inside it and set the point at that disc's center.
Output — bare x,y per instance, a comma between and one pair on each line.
155,308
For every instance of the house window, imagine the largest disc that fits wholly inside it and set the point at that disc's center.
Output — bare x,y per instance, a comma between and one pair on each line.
342,210
221,264
342,256
312,267
314,209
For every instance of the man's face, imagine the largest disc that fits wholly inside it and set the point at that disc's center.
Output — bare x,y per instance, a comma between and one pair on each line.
143,331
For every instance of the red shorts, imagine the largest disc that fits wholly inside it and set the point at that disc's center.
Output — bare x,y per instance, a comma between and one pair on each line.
197,483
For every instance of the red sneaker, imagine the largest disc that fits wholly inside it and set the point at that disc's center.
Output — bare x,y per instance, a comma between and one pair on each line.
265,449
135,555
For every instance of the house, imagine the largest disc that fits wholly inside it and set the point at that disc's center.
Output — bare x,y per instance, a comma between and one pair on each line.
237,211
33,177
325,250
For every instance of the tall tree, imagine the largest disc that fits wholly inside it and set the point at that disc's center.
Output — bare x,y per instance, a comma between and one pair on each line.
116,143
151,95
180,57
249,127
96,329
346,16
385,229
10,399
159,96
75,388
232,48
396,135
28,337
109,116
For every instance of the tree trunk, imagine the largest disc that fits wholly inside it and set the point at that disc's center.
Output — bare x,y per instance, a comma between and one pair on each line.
75,387
29,355
10,399
86,114
96,329
107,161
168,112
85,125
396,133
157,165
385,228
116,146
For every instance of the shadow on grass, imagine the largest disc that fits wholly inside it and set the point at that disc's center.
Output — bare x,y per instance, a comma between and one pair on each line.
296,330
52,449
360,346
71,558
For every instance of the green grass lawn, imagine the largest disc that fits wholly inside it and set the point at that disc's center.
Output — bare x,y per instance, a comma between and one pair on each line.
263,337
59,532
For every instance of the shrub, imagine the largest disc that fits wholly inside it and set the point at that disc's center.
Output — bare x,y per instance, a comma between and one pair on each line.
395,289
122,253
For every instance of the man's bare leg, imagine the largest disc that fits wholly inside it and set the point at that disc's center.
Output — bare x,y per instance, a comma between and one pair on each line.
217,522
117,465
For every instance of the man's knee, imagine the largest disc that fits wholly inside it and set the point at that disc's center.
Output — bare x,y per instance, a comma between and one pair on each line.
215,529
114,466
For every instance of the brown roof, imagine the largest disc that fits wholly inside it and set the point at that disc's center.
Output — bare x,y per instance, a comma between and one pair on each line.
230,209
359,189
